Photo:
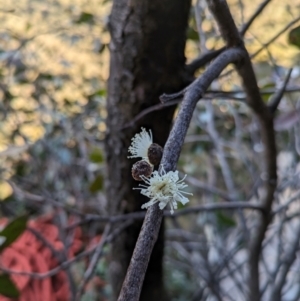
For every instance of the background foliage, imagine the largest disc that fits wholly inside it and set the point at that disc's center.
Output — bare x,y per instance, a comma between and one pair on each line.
53,72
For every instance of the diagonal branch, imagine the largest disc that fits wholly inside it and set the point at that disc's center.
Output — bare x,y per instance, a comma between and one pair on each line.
138,265
278,95
259,10
283,30
202,60
207,57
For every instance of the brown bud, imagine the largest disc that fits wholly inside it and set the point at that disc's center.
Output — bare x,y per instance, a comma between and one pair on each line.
141,168
155,153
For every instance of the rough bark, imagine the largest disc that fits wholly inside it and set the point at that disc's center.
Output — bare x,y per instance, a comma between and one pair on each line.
147,59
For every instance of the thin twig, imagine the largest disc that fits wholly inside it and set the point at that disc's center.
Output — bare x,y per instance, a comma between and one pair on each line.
212,207
285,206
207,57
203,272
267,43
202,60
209,188
61,220
41,199
145,112
259,10
67,263
95,258
216,93
274,102
195,209
173,99
45,242
283,30
288,260
225,167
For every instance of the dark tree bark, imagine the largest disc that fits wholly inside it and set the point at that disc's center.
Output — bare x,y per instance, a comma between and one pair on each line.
147,59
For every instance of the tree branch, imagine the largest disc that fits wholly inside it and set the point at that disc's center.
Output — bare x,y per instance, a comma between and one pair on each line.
95,258
176,98
138,265
274,102
288,260
207,57
145,112
225,22
202,60
195,209
283,30
212,207
209,188
68,263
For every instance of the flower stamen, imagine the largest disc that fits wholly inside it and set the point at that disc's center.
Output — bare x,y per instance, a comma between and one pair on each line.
164,188
140,145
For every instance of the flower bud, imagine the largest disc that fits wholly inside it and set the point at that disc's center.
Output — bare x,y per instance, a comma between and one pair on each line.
155,153
141,168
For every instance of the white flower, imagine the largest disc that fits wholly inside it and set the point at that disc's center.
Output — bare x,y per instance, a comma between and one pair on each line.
140,144
165,189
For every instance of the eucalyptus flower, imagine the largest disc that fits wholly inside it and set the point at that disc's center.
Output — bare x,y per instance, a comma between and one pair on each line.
164,188
140,145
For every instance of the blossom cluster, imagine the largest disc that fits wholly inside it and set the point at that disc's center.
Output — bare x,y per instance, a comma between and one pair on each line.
162,188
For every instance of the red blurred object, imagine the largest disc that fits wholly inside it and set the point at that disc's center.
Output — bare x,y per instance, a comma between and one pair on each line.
30,254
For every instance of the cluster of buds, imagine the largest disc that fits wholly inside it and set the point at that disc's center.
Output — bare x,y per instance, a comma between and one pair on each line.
142,146
162,188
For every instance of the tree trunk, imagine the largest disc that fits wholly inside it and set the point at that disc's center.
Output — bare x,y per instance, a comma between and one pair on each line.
147,59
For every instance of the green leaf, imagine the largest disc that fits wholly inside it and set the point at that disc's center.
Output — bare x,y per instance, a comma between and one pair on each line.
13,230
266,96
180,206
224,220
294,37
192,34
28,26
85,18
101,49
96,156
97,184
101,92
7,287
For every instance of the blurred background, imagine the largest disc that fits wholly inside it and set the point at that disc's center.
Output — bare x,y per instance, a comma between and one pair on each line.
54,67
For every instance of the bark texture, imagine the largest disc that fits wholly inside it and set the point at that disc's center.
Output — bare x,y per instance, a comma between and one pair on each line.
147,59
